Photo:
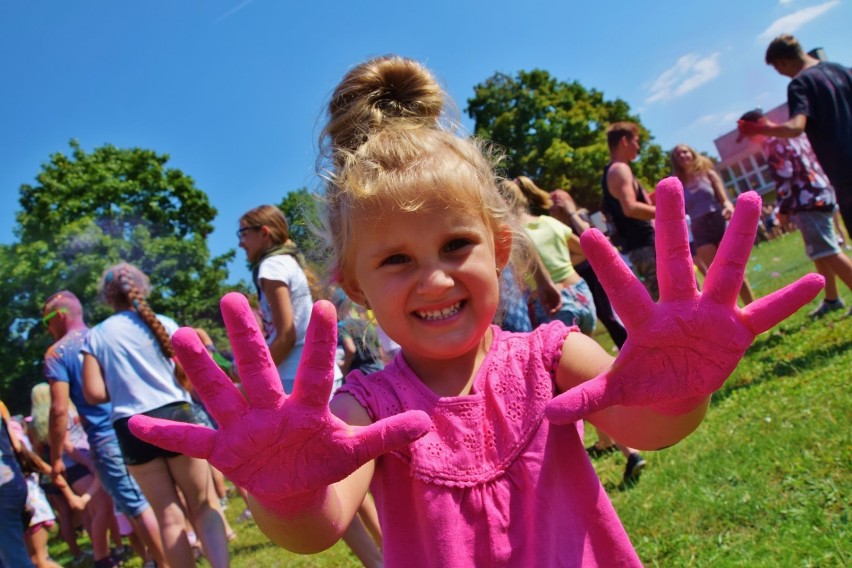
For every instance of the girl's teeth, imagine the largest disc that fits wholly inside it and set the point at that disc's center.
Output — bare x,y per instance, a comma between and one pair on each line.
440,314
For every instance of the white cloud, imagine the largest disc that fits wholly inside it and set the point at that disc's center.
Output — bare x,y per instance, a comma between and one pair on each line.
791,22
233,10
785,2
720,119
690,72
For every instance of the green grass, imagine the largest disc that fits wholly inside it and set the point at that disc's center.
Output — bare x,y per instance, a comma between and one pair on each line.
765,480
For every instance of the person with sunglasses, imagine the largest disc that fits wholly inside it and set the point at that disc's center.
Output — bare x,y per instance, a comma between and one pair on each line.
285,287
62,316
284,291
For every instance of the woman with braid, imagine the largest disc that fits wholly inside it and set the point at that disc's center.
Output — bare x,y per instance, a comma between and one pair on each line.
128,359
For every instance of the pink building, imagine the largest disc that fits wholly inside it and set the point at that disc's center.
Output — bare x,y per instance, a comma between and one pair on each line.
742,164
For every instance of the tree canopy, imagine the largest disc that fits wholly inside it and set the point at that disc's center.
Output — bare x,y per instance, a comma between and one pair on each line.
87,211
300,209
555,132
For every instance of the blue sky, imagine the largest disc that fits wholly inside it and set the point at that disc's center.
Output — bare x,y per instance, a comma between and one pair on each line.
233,90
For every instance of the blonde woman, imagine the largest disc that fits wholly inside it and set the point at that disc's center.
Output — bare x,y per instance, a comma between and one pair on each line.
707,205
128,360
554,242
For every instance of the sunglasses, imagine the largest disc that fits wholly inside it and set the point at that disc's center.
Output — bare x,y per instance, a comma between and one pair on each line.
49,316
242,230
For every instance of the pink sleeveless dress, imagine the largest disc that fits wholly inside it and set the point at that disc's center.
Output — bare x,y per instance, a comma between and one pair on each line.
493,483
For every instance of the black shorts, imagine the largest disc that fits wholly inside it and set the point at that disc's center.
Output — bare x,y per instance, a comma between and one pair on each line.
137,452
75,473
708,229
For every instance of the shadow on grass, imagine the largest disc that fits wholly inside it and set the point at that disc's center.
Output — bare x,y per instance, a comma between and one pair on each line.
250,548
785,367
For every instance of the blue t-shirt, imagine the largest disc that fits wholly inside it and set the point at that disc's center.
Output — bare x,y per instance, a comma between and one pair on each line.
137,374
64,362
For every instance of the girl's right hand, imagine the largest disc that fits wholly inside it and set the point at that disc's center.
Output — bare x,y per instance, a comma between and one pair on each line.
284,450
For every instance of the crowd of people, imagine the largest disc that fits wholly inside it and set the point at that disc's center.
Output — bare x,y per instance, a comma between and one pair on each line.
447,417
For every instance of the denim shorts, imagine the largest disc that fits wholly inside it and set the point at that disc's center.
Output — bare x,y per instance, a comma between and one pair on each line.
113,474
817,228
138,452
578,308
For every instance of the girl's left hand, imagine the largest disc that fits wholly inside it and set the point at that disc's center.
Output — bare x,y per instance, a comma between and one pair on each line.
682,349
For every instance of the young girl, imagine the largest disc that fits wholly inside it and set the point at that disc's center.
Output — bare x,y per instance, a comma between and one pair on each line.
127,359
471,456
283,286
552,240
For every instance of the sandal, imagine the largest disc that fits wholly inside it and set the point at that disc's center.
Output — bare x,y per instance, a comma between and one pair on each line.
596,451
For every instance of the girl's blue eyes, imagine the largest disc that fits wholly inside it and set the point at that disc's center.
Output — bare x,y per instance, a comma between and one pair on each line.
452,246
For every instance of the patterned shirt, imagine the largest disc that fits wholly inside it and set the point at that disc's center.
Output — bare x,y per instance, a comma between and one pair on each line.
800,181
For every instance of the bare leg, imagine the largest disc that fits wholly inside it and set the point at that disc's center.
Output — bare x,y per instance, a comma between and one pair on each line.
99,511
824,267
147,530
219,483
196,483
360,542
704,257
37,546
155,480
66,524
370,517
841,266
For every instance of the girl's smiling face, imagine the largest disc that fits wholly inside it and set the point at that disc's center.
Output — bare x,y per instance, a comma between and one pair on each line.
431,279
683,155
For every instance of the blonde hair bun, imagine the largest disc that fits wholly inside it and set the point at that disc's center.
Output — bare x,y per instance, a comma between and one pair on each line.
382,92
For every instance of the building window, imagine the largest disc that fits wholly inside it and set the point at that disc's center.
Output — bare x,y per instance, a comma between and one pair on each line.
750,173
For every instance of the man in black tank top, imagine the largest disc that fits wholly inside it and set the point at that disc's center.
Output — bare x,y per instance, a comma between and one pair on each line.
627,205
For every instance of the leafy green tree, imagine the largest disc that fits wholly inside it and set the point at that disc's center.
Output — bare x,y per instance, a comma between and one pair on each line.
555,132
300,208
88,211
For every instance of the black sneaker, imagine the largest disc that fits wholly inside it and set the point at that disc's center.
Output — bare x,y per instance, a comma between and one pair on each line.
635,464
826,307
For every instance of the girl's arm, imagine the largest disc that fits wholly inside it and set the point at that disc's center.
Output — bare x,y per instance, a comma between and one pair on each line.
94,387
349,350
305,469
548,294
721,195
679,350
574,244
278,295
319,528
638,427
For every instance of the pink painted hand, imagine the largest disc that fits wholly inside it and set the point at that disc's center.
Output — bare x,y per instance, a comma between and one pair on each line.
284,450
683,348
750,127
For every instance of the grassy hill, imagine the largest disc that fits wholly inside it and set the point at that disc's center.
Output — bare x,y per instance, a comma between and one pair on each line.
765,481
